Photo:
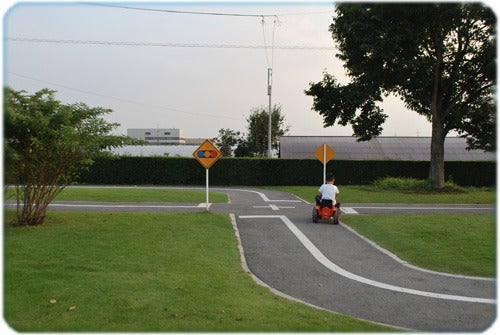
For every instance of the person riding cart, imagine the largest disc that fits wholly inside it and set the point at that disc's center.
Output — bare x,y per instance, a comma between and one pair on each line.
327,207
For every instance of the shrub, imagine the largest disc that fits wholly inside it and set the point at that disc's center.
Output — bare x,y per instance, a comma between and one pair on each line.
413,185
403,184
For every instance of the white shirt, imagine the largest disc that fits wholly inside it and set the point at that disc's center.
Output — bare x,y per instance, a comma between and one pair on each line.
328,192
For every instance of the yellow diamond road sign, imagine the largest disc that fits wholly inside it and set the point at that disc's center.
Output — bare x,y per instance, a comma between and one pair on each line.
207,154
324,153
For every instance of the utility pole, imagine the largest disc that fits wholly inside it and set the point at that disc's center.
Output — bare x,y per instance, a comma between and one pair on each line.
269,81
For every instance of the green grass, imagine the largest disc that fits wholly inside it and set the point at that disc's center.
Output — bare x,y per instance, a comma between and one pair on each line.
147,272
460,244
134,195
371,194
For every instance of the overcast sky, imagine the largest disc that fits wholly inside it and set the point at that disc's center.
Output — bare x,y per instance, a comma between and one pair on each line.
198,72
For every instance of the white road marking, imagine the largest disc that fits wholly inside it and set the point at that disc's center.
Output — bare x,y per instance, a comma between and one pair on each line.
421,208
273,207
320,257
263,196
202,205
348,210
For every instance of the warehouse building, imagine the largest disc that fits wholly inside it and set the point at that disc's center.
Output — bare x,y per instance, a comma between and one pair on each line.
380,148
158,136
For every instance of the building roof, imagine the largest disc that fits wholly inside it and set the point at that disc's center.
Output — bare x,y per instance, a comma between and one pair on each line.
380,148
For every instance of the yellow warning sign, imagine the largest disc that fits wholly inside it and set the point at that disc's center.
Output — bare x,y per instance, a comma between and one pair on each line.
207,154
324,153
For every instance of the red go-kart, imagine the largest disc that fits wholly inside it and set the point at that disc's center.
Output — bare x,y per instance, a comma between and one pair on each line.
330,213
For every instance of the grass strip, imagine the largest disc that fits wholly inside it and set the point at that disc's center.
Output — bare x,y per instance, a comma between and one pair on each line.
147,272
457,243
371,194
117,194
348,194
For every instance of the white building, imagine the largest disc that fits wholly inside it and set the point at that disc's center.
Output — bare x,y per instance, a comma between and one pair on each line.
159,136
380,148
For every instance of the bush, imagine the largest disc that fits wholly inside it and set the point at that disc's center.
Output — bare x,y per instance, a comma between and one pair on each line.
413,185
403,184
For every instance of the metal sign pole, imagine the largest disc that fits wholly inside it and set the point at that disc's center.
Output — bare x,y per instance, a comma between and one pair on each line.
206,198
324,163
269,125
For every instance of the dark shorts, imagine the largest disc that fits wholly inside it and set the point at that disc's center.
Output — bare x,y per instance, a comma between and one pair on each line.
325,202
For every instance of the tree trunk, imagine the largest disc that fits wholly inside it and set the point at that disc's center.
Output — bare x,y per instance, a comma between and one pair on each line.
32,203
436,172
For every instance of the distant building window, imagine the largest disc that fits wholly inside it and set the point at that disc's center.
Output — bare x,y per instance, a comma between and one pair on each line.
148,133
166,133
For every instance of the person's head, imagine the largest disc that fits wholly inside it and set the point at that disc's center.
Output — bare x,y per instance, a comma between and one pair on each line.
330,178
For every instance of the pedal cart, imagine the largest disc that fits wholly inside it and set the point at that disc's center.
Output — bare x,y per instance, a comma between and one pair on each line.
323,213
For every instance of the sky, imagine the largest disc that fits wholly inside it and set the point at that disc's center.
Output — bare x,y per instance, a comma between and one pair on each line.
155,68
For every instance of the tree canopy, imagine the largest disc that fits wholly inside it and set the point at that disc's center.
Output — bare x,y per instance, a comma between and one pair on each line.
226,140
439,58
258,129
255,142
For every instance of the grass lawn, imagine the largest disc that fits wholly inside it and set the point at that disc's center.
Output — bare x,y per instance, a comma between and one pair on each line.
460,244
134,195
147,272
370,194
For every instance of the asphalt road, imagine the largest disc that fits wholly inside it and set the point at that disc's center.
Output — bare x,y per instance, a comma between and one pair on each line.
332,267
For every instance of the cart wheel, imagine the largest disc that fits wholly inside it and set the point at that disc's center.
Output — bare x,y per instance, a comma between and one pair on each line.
315,215
336,217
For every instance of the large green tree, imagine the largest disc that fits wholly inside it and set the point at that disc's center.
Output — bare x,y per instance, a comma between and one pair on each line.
439,58
46,144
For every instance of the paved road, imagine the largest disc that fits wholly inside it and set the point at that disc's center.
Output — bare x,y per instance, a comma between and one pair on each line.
332,267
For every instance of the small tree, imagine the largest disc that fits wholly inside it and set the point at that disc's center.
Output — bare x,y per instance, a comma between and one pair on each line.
258,122
242,149
46,144
226,140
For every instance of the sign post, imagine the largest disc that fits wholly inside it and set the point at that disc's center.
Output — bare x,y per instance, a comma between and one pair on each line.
207,154
324,153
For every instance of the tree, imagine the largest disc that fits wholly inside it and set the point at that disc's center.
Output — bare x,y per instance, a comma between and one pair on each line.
439,58
242,149
226,140
258,123
46,144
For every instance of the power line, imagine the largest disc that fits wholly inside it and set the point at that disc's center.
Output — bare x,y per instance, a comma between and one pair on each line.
160,108
182,11
169,11
166,45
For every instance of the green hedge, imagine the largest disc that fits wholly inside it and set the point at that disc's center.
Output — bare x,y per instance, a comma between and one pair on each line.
262,171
